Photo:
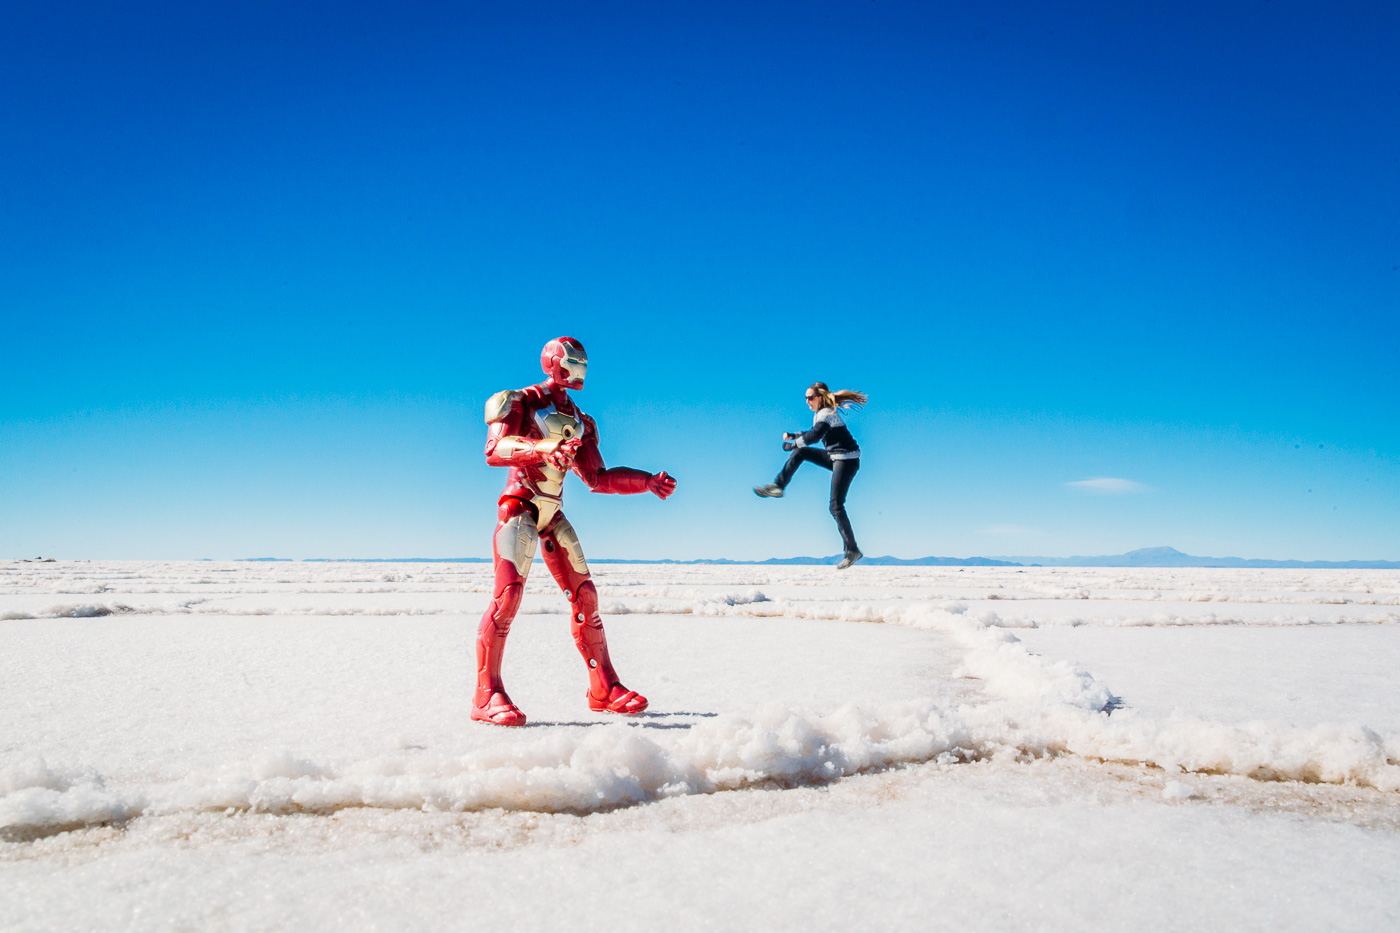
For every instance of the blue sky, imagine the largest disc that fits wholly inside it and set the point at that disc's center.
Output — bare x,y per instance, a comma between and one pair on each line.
260,268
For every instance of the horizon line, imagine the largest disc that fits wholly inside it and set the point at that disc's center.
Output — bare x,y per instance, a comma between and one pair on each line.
1161,557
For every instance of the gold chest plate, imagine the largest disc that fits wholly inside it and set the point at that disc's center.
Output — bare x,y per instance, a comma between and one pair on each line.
554,425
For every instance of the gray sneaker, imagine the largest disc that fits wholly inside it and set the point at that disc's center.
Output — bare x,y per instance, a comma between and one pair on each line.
850,558
771,490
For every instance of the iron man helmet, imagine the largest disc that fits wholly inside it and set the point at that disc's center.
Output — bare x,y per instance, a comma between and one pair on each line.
563,359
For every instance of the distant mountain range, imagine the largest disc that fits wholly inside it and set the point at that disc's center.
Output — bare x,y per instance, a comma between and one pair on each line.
1171,557
836,558
1142,557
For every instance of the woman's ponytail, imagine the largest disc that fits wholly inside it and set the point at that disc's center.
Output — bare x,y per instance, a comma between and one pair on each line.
842,398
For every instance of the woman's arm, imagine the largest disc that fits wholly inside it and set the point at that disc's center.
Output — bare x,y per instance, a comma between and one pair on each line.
819,429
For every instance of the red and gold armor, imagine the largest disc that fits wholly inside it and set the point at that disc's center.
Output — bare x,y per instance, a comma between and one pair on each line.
540,436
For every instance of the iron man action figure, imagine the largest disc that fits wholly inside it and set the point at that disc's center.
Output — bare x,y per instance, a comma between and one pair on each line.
540,435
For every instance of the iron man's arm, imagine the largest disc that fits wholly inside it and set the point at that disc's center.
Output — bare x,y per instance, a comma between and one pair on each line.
506,445
588,464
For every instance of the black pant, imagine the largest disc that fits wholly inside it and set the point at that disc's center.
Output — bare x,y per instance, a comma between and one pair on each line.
842,472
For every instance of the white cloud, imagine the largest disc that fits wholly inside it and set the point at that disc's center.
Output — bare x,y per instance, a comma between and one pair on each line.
1108,484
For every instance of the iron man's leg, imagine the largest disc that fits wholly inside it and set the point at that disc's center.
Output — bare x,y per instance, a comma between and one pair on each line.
564,558
514,549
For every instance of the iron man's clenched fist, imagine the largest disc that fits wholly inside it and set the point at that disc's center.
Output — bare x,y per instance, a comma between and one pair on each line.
561,457
662,484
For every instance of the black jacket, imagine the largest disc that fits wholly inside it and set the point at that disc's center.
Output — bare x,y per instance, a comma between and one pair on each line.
829,428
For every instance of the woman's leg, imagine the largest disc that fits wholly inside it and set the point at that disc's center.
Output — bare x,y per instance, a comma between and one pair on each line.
802,454
842,472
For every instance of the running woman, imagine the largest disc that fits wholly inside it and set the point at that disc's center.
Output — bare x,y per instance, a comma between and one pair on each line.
841,457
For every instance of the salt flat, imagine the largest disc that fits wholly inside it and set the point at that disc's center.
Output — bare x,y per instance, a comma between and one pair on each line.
265,745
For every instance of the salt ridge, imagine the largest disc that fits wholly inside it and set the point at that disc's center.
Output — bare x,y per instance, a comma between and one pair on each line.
1037,707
